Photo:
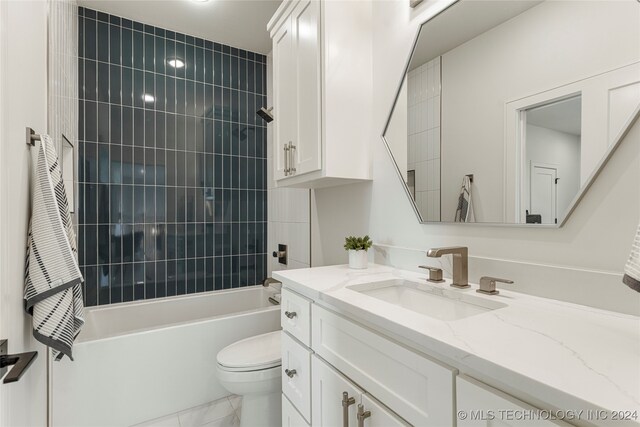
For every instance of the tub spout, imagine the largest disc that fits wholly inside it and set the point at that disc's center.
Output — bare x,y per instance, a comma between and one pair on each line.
270,280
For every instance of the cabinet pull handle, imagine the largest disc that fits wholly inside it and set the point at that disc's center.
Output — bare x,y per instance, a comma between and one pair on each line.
290,314
346,402
362,415
292,162
290,373
286,160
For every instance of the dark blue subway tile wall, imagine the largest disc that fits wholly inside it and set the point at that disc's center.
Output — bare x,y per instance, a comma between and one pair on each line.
172,162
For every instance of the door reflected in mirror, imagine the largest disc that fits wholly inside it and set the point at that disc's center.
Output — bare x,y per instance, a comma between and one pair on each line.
552,146
508,109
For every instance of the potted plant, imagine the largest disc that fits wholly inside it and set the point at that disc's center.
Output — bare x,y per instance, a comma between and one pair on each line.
357,248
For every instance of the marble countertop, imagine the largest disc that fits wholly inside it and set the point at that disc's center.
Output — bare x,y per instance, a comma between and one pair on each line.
567,355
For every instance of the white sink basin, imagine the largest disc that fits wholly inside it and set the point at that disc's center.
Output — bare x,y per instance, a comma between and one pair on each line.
426,299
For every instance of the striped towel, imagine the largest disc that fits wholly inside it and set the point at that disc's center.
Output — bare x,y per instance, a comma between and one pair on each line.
464,211
53,292
632,270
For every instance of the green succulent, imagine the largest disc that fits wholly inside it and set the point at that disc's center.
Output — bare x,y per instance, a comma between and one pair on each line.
357,243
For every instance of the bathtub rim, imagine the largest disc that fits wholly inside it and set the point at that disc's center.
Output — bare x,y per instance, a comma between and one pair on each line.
268,307
113,306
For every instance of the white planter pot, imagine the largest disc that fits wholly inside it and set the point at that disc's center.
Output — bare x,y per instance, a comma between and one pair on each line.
358,259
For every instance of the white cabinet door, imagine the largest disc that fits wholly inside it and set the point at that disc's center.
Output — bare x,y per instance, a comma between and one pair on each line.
284,108
328,388
307,149
290,416
379,415
482,406
296,374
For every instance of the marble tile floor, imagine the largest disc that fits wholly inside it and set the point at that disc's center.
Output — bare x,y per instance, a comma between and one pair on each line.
224,412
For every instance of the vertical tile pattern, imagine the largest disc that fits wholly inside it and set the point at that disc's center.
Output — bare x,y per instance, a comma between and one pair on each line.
423,154
63,84
172,162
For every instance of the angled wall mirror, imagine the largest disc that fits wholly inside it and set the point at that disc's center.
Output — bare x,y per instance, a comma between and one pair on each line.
508,110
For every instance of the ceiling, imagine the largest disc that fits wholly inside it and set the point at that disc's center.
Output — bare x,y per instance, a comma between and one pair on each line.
237,23
563,116
462,22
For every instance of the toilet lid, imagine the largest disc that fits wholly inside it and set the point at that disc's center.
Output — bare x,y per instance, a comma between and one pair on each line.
253,353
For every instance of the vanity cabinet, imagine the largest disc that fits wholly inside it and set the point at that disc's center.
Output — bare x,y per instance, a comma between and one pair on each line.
328,359
321,101
482,406
396,386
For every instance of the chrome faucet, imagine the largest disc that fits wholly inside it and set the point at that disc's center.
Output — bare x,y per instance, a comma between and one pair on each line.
460,263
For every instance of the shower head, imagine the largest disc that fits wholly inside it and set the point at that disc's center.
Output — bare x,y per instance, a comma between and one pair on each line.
265,113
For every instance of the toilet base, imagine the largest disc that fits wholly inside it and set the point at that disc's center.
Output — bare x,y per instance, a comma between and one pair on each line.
261,410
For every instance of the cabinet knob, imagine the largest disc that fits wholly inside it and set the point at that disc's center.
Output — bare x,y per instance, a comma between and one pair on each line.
290,314
290,372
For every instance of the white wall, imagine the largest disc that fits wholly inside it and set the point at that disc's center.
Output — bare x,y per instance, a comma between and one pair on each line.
508,63
23,102
559,148
581,262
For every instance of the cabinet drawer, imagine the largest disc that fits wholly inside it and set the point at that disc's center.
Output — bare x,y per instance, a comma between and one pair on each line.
415,387
290,416
485,406
295,316
296,375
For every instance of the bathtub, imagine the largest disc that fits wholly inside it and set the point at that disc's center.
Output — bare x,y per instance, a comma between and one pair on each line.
142,360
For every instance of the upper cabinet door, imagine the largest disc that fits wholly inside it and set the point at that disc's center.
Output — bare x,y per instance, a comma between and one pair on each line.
307,148
322,84
284,97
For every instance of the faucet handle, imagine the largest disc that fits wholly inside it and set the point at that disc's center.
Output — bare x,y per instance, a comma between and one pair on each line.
435,273
488,285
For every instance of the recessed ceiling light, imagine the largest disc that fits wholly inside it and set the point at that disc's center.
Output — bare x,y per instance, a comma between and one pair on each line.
176,63
148,98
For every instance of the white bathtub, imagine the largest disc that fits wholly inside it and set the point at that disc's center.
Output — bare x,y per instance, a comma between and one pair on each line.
142,360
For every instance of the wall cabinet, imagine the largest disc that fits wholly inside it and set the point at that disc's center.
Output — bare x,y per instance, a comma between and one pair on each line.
321,101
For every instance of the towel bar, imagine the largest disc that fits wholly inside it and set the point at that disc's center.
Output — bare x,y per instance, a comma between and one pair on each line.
21,363
32,137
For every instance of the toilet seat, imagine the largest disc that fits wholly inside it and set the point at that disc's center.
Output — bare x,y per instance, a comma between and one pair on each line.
256,353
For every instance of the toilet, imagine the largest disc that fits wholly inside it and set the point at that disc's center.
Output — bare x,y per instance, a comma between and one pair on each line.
251,368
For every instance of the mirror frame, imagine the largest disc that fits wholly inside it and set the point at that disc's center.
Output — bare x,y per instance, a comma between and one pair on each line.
574,203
